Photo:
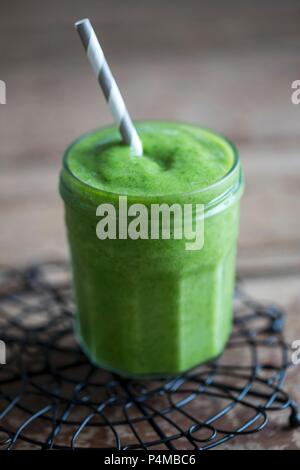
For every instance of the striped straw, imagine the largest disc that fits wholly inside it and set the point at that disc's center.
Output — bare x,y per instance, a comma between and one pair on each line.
108,85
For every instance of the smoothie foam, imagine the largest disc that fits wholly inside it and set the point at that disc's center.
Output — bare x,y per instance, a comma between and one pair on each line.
177,158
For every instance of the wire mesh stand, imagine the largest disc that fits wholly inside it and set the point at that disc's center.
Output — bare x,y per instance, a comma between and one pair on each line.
52,397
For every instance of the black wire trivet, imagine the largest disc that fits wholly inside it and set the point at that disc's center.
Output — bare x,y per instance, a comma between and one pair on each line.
53,397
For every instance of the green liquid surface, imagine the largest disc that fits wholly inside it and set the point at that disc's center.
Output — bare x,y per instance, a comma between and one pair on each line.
177,158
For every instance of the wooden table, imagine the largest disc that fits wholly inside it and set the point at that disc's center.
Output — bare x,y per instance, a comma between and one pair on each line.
224,65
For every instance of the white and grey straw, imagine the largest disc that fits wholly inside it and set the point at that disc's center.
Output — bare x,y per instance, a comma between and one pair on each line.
108,85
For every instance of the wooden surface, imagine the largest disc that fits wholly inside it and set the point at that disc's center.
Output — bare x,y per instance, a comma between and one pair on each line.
224,65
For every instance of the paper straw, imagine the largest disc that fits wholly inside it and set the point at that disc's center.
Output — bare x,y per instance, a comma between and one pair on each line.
108,85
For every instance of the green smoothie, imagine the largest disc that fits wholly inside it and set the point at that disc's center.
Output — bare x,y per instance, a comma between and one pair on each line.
146,306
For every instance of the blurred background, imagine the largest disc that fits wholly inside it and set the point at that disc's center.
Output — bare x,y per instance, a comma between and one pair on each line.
223,65
228,66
